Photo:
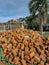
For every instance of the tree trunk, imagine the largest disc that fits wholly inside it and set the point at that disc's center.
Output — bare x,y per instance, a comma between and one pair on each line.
43,19
41,25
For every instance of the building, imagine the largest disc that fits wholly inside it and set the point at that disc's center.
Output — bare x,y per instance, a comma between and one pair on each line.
10,25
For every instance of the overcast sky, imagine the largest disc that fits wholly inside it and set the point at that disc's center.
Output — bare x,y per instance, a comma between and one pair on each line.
13,9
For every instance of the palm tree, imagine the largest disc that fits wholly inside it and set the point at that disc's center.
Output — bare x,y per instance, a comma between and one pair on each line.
39,7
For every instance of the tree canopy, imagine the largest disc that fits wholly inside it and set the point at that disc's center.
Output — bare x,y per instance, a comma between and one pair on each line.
39,8
35,6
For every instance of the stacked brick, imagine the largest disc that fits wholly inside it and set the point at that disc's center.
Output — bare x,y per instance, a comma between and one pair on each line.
25,47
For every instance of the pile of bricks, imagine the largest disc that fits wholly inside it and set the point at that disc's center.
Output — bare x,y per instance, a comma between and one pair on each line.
25,47
2,63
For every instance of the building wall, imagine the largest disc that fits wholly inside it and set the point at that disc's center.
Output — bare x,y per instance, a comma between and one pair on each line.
10,26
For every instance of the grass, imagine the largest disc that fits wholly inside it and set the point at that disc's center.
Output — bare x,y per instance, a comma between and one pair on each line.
46,34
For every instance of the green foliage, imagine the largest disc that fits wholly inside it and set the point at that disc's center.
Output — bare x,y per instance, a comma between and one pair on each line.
2,58
20,19
33,63
0,50
48,18
37,5
9,63
39,8
32,23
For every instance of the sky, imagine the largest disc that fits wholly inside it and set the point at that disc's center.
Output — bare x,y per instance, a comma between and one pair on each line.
13,9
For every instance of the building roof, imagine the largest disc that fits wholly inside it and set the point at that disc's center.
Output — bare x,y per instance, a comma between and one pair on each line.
12,22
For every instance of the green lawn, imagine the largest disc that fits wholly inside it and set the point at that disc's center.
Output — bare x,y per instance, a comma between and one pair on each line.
46,34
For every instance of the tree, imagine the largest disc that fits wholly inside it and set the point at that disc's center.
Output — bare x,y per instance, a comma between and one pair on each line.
48,18
32,23
28,21
39,7
20,19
